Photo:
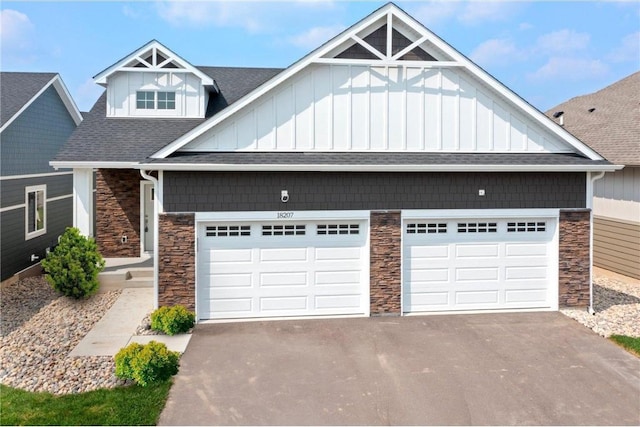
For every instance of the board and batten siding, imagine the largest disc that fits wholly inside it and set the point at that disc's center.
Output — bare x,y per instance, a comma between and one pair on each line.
616,246
191,97
370,108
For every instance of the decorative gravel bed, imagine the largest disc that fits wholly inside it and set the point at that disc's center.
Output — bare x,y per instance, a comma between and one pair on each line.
617,306
36,341
38,329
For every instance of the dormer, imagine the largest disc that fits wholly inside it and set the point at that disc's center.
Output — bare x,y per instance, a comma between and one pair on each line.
153,81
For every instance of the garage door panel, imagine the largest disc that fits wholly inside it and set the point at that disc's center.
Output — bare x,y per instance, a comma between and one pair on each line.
477,251
283,303
237,280
338,277
229,255
326,302
283,279
338,253
476,264
283,254
474,274
238,306
476,297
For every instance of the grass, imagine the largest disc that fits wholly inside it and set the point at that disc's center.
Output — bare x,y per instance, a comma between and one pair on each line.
132,405
632,345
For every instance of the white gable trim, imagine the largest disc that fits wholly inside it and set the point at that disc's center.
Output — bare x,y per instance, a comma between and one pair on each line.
101,78
388,11
64,95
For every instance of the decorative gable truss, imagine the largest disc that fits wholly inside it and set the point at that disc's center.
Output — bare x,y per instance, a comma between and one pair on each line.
387,84
155,82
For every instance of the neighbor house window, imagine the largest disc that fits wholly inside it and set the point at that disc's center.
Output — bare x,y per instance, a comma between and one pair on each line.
166,100
145,100
36,211
148,100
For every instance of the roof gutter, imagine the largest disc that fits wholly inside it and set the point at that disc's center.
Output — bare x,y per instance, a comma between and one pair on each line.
62,164
374,168
591,182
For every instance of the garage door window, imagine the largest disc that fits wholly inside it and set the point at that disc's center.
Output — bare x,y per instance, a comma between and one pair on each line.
228,230
477,227
334,229
426,228
283,230
526,227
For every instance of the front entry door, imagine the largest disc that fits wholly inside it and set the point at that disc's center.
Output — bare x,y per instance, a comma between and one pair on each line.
149,197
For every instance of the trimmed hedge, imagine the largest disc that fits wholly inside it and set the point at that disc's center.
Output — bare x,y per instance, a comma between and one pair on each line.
172,320
146,364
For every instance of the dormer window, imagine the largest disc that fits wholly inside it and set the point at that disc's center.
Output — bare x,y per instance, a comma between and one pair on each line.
149,100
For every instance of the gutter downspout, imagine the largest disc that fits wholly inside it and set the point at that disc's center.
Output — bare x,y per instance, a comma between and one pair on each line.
591,180
156,227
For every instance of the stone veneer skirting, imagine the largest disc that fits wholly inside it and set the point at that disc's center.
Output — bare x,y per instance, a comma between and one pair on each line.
118,212
573,256
176,260
386,263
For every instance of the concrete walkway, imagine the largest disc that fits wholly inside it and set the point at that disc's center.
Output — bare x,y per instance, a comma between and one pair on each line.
117,327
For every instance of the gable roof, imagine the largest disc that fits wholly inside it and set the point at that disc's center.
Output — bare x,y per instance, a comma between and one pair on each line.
18,90
448,57
129,140
607,120
162,59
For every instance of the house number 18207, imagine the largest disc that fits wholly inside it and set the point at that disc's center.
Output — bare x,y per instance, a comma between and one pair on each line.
285,215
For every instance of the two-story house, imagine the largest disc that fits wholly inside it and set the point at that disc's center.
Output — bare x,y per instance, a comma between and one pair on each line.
37,115
382,174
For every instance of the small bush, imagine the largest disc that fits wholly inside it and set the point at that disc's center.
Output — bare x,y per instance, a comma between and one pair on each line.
72,267
172,320
146,364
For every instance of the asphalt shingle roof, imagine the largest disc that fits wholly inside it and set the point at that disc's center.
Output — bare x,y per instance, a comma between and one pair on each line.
612,128
373,159
109,139
17,89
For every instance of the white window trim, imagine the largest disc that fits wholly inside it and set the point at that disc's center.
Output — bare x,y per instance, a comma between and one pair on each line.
156,100
31,189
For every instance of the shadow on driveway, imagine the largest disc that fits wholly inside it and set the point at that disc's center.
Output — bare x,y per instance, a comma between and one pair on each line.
498,369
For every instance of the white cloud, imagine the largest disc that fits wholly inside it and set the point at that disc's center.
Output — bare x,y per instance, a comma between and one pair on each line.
16,30
477,12
130,12
315,36
434,12
185,13
494,51
570,69
628,50
524,26
562,41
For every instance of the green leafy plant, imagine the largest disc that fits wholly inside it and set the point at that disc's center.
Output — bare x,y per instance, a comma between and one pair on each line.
73,266
172,320
146,364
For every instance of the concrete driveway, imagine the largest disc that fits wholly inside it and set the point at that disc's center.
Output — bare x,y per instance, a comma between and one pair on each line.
498,369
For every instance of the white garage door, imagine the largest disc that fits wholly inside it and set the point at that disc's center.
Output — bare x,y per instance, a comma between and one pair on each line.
479,264
269,269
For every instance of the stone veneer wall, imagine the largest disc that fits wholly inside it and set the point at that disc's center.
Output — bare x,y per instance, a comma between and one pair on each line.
386,266
176,260
118,212
574,259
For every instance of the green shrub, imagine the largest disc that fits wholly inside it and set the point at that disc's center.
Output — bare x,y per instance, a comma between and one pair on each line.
172,320
73,266
146,364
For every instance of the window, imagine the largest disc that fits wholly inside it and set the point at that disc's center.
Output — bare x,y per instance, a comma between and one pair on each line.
283,230
325,229
228,231
166,100
145,100
477,227
424,228
526,227
36,211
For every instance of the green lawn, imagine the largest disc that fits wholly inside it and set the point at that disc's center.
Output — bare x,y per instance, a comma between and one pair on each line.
629,343
133,405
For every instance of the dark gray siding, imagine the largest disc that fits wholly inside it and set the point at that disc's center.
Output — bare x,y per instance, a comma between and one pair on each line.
15,254
35,137
260,191
13,190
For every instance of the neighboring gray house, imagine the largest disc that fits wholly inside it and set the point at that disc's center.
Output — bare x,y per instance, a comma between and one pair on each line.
609,122
37,116
382,174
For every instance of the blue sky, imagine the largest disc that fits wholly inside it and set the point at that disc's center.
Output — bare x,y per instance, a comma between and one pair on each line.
547,52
